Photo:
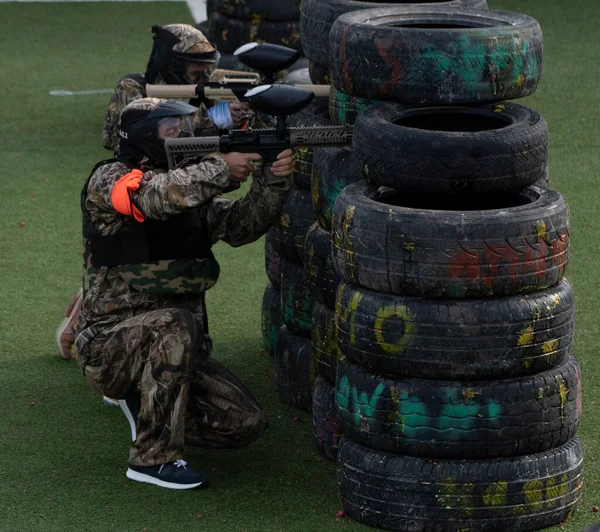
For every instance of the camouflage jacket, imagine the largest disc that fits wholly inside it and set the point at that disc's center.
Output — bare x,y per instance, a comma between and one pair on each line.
130,89
111,295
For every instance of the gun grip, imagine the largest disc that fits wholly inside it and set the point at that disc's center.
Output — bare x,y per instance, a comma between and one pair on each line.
270,177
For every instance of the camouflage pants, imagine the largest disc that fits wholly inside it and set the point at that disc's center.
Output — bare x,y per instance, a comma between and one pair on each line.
186,397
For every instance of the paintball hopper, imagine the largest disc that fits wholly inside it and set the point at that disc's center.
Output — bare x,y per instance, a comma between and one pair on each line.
268,59
279,100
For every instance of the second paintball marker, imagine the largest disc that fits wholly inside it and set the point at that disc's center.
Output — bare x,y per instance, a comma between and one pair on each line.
267,59
276,100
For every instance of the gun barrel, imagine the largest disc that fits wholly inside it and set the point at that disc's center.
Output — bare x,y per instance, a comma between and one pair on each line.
321,91
324,137
171,91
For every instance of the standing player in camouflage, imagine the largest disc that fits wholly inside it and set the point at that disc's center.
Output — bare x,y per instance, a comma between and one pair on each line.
142,331
181,54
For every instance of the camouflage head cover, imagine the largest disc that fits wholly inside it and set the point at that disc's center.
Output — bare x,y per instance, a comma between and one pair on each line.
138,129
175,47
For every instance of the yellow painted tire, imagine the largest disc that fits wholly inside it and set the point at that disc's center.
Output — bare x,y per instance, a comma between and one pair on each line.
467,339
411,494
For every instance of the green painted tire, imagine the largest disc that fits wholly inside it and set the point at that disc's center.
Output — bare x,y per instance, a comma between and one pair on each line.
454,419
436,56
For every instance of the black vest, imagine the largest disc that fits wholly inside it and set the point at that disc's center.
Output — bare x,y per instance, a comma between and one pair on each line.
180,237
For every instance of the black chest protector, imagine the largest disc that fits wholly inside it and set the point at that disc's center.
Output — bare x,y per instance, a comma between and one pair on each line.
180,237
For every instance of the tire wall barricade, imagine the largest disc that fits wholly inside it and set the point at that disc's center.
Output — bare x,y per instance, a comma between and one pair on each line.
453,322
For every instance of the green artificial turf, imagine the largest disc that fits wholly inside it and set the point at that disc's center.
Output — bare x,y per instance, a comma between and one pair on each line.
64,453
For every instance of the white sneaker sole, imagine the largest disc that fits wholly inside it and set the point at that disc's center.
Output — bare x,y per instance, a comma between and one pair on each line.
129,416
140,477
109,401
65,322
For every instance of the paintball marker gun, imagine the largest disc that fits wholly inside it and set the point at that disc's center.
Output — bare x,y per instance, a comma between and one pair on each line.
277,100
267,59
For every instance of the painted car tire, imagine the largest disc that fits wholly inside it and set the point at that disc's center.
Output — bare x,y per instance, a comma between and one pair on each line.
319,276
296,299
454,419
317,18
325,430
409,494
294,220
466,339
476,149
324,342
516,244
436,57
333,169
270,318
228,33
294,370
259,10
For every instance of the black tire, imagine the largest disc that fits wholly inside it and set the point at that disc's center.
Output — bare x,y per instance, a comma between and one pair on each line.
296,299
344,108
319,74
453,419
463,339
325,429
294,220
333,169
271,318
228,34
203,26
324,342
419,57
294,370
319,276
273,257
317,18
456,150
259,10
518,243
417,495
316,114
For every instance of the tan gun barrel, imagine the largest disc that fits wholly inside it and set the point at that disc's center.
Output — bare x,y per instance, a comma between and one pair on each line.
218,94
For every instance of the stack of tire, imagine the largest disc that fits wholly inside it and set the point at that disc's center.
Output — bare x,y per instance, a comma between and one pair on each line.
284,258
456,390
232,23
332,170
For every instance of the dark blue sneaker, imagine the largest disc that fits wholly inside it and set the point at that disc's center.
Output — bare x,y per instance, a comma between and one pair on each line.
131,408
173,475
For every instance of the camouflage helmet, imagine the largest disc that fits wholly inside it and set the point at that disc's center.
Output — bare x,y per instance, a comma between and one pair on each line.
175,47
138,129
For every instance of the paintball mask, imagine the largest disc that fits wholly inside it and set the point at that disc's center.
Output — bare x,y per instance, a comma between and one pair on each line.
146,123
182,55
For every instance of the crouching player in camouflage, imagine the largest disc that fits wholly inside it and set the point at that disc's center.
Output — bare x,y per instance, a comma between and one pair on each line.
142,333
181,54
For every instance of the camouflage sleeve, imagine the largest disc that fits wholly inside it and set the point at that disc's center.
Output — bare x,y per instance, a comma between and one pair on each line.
165,194
127,91
242,221
160,195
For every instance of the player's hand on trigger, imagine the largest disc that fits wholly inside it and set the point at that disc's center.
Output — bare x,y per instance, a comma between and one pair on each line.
239,112
284,165
240,164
